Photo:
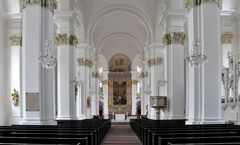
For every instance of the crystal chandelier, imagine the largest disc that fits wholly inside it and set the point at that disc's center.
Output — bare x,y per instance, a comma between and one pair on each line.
196,58
48,55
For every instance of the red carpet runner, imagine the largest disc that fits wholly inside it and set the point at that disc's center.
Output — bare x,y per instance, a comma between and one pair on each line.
121,135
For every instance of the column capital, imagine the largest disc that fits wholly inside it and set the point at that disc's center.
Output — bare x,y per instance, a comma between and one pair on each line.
174,38
51,4
155,61
84,62
227,37
96,75
66,39
189,4
16,40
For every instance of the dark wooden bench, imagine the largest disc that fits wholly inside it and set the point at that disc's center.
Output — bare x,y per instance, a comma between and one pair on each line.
150,133
56,135
84,132
195,134
43,140
184,140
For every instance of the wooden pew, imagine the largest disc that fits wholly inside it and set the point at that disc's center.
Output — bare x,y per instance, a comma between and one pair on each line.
205,140
86,132
155,137
148,132
187,130
43,140
56,135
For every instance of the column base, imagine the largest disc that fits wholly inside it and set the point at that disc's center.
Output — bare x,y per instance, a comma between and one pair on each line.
81,117
66,118
38,122
205,121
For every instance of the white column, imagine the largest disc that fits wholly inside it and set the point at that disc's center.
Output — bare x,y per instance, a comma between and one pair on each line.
134,91
83,69
14,107
156,64
37,104
66,74
145,89
175,71
2,70
203,90
95,91
226,40
105,93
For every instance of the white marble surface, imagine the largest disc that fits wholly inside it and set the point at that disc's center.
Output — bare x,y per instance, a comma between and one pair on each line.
120,117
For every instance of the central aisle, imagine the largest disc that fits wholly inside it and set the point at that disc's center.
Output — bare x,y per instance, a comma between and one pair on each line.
121,135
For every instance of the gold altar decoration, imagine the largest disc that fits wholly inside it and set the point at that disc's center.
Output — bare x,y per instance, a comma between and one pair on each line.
174,38
189,4
51,4
84,62
129,102
16,40
227,37
15,97
120,109
66,39
110,103
155,61
110,83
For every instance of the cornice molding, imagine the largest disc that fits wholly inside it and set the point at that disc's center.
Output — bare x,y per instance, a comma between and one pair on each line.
176,13
189,4
174,38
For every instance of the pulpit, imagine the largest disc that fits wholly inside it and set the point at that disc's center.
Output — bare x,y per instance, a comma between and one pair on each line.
158,103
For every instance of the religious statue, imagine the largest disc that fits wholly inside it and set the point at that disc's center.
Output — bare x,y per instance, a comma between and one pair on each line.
15,97
89,102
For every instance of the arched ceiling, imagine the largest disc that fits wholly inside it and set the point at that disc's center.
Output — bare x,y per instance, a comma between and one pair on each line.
120,30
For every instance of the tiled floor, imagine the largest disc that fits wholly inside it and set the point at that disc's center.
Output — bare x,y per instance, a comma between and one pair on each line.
121,135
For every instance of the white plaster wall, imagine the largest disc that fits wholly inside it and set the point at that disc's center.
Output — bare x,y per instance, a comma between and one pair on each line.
2,72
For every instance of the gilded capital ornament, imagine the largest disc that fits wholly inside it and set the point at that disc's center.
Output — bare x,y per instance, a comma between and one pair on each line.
144,74
134,82
226,37
189,4
155,61
84,62
66,39
51,4
95,75
174,38
105,82
16,40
